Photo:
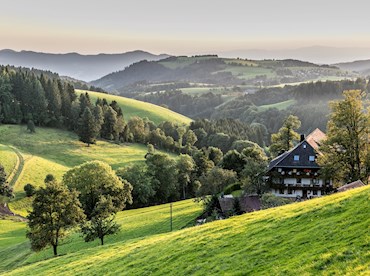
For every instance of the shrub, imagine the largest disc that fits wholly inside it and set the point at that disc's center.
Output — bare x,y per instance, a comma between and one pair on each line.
29,189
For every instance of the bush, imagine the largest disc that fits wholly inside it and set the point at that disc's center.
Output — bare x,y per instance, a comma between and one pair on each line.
269,200
29,189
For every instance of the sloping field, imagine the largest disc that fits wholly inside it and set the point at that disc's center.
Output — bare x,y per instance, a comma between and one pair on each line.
329,236
135,225
131,108
55,151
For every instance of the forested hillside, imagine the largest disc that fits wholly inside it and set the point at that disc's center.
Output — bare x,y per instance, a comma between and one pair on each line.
215,71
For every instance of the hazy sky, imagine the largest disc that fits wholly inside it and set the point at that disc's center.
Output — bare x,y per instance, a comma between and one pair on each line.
181,27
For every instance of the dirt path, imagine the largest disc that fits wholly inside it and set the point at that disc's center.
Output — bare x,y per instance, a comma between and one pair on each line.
12,180
18,168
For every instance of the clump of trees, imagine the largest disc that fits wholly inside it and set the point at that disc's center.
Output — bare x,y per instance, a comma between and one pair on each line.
90,196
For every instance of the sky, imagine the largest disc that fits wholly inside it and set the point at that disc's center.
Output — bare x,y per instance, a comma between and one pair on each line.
181,27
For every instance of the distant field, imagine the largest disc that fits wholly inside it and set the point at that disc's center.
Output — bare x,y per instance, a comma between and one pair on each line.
55,151
131,108
246,73
322,236
280,106
135,225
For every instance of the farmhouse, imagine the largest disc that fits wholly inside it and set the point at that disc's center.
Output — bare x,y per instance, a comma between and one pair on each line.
295,173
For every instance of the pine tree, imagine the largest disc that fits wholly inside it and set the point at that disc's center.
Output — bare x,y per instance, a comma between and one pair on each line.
88,128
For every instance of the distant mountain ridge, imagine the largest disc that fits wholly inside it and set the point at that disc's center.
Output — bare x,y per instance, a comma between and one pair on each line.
360,66
82,67
316,54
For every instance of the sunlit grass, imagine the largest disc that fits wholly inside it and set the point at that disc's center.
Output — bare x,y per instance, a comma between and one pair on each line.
328,235
8,158
135,225
52,151
131,108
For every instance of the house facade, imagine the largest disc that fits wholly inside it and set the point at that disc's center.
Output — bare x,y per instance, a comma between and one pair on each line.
296,174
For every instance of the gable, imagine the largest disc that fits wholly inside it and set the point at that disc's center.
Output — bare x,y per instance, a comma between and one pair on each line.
301,156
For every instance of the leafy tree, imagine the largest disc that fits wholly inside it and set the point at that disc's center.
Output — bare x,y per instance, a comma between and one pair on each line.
29,189
215,155
215,181
55,209
286,136
252,176
141,181
102,223
190,138
180,132
233,160
345,152
95,181
163,171
88,129
49,178
185,167
203,164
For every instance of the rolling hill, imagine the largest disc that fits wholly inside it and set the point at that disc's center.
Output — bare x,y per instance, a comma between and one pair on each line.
360,66
326,236
84,67
135,225
56,151
131,107
212,70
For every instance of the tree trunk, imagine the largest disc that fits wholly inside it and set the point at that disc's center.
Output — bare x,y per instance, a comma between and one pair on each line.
183,191
55,250
102,240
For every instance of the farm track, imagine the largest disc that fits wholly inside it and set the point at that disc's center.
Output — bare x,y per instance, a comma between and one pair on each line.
18,168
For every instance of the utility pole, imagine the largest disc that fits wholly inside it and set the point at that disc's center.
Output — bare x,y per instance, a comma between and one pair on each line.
171,216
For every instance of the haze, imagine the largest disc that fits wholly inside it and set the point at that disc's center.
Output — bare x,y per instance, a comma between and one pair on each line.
186,27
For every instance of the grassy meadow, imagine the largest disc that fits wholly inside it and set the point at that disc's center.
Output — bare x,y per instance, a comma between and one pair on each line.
131,108
322,236
135,225
56,151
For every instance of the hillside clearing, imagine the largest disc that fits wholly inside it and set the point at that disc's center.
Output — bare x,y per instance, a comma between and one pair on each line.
55,151
131,108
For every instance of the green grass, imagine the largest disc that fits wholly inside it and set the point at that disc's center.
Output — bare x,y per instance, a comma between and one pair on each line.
323,236
247,73
135,225
280,106
56,151
131,108
8,159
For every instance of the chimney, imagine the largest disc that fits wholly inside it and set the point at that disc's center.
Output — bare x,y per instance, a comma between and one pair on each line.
302,137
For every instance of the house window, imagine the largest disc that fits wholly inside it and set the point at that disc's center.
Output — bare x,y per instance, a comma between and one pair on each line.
281,191
296,157
290,191
314,192
304,146
311,158
299,180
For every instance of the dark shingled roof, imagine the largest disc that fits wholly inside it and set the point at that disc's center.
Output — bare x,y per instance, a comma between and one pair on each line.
286,160
350,186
